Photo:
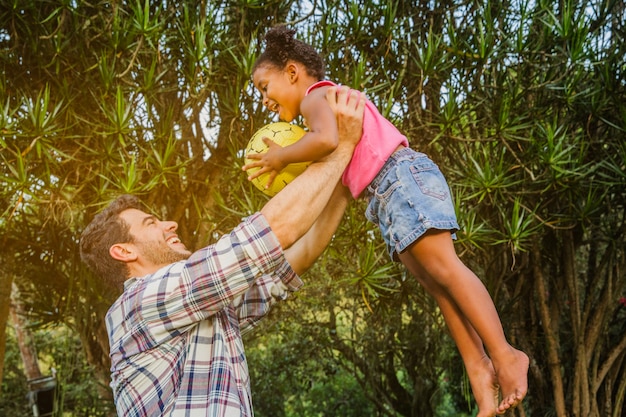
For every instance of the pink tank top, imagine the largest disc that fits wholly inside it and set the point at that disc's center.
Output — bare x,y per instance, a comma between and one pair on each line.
380,139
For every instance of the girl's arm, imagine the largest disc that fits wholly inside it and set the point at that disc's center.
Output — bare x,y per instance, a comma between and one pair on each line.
318,142
322,136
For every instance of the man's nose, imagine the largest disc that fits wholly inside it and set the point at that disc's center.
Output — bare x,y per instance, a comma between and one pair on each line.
170,225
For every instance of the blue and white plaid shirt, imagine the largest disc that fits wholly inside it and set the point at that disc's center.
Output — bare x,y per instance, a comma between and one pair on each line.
175,335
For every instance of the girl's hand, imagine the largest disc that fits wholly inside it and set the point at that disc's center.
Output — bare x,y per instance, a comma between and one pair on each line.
269,162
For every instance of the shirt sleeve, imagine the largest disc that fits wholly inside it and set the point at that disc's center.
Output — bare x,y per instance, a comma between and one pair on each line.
185,293
266,291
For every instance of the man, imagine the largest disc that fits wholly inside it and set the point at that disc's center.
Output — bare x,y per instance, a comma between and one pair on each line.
175,332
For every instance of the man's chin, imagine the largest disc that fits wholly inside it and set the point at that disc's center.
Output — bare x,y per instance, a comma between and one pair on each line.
184,254
182,250
170,257
160,254
180,254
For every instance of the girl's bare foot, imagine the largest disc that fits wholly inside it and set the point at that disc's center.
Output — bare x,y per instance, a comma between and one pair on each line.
512,376
484,387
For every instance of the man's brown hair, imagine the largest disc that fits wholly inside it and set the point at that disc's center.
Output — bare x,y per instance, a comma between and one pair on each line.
105,230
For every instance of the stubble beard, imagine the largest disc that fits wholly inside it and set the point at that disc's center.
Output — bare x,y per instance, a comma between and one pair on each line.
162,254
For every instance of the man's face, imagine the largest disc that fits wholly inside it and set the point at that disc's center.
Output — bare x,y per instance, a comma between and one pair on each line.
156,241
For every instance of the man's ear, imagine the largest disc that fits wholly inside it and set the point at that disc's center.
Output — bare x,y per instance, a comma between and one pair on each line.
122,252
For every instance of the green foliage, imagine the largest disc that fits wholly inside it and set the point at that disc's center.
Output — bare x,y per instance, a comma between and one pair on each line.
14,385
291,377
59,351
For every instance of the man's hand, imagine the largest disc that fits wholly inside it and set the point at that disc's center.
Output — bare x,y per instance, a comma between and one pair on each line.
348,106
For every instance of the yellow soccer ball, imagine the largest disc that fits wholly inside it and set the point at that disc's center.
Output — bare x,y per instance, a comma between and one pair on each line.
283,134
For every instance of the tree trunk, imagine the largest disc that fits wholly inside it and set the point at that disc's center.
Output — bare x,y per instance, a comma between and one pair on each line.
28,351
554,362
6,280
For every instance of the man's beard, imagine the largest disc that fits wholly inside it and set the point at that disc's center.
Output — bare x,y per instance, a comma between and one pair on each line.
161,254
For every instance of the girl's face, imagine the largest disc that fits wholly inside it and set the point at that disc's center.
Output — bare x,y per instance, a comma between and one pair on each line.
278,90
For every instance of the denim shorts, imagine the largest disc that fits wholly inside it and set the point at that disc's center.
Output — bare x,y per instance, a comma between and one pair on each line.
408,197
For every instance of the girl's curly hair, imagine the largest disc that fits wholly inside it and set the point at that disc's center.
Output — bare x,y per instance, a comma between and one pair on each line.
281,47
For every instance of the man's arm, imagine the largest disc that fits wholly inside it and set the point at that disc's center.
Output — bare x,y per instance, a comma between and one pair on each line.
309,247
268,289
294,210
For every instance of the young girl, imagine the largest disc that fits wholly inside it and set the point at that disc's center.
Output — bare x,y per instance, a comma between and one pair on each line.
409,200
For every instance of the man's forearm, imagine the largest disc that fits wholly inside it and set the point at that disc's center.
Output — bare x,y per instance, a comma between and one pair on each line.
305,251
292,212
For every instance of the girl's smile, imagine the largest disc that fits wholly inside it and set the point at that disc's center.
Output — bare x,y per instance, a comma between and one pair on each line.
277,90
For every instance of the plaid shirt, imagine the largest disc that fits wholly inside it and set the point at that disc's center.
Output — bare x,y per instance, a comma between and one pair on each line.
175,335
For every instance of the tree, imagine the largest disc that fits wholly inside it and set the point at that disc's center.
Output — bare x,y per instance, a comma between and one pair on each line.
520,103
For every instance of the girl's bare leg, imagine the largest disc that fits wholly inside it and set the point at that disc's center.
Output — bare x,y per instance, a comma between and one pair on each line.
436,258
477,364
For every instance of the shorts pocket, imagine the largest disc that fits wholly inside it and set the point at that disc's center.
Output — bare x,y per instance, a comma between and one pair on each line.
430,180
